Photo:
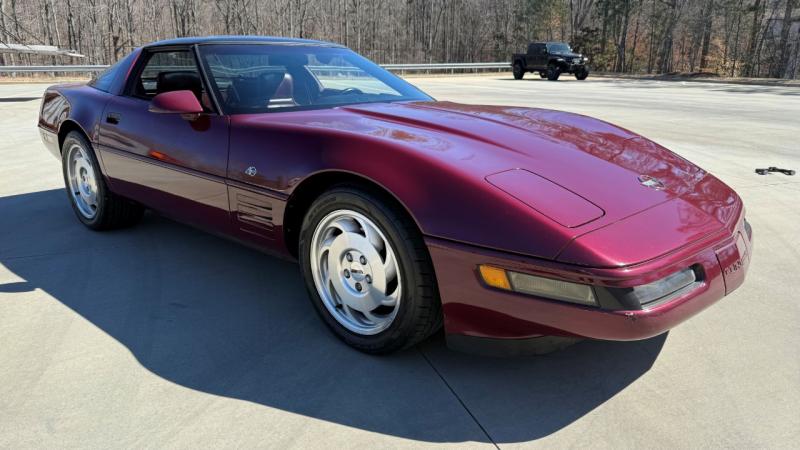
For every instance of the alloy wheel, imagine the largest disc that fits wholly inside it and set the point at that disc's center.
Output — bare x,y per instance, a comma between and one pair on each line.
355,272
82,181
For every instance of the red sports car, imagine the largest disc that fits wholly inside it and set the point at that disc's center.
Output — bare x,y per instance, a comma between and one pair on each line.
518,229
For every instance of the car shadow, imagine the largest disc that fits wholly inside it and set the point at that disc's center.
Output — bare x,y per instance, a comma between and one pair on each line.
220,318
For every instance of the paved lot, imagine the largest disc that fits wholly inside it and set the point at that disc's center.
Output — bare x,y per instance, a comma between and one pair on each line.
163,336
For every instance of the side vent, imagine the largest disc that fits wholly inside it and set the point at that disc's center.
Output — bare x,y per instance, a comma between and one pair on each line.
254,215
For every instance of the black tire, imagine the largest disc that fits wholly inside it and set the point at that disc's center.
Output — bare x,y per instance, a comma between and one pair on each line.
553,72
518,71
112,211
582,74
419,314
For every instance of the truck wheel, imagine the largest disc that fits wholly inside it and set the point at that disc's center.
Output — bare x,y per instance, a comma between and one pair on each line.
582,74
519,72
553,72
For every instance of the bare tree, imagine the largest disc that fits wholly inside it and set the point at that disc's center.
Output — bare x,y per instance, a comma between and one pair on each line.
734,37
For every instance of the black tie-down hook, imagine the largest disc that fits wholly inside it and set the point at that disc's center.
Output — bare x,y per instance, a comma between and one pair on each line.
774,169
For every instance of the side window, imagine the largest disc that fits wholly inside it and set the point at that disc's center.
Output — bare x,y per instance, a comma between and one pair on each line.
532,49
540,48
170,71
248,82
104,79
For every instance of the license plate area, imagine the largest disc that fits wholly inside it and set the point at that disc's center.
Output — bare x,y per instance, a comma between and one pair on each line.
733,260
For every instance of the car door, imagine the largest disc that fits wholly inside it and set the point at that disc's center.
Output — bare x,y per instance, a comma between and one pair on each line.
541,56
172,163
530,57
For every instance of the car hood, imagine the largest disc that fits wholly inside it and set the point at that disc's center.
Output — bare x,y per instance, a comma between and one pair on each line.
597,161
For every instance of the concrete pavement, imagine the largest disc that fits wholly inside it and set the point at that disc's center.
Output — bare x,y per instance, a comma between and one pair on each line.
164,336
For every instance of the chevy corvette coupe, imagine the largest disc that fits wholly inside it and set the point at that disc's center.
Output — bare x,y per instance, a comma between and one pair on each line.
517,229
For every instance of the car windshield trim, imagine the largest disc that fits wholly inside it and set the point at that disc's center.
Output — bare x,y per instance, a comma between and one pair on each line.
256,79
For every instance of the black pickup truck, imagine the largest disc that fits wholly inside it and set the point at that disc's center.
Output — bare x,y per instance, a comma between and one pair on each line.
550,59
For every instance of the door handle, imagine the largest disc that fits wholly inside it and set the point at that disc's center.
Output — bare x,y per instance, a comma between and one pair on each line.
112,118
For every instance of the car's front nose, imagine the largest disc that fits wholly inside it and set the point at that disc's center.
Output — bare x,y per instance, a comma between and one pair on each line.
473,308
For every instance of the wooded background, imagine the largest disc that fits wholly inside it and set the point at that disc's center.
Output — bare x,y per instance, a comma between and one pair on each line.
752,38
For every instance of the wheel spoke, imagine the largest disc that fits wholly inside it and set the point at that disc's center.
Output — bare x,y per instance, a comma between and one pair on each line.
346,225
350,313
373,317
391,300
390,266
325,273
338,303
372,236
326,245
334,277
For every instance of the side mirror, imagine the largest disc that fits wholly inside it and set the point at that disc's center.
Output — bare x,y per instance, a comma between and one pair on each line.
175,102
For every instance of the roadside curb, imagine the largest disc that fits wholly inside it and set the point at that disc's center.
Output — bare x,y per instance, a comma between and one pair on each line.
673,78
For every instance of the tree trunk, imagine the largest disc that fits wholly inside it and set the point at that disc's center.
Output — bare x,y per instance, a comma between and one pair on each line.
623,35
708,21
751,47
781,68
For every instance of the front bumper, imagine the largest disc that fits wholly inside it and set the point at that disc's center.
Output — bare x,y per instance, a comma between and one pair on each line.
475,310
572,68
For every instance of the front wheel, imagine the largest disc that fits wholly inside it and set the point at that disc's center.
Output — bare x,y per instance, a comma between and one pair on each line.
582,74
519,72
368,271
95,205
553,72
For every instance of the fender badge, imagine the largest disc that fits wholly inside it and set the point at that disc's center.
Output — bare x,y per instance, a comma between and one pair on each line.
251,171
651,182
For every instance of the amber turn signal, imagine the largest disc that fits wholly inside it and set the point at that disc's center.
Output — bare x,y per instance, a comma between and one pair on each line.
494,277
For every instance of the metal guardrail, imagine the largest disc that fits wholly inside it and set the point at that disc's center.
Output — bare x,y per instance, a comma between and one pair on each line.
448,66
392,67
46,69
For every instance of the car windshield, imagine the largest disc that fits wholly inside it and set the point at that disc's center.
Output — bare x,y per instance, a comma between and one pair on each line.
266,78
559,48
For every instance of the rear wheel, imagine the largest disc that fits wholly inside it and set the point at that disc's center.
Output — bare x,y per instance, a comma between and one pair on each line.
368,271
553,72
96,206
519,72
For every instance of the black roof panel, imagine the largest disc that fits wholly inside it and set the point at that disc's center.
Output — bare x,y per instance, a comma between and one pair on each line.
240,39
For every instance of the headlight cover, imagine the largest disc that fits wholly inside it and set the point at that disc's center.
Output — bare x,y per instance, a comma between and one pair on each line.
657,292
633,298
554,289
